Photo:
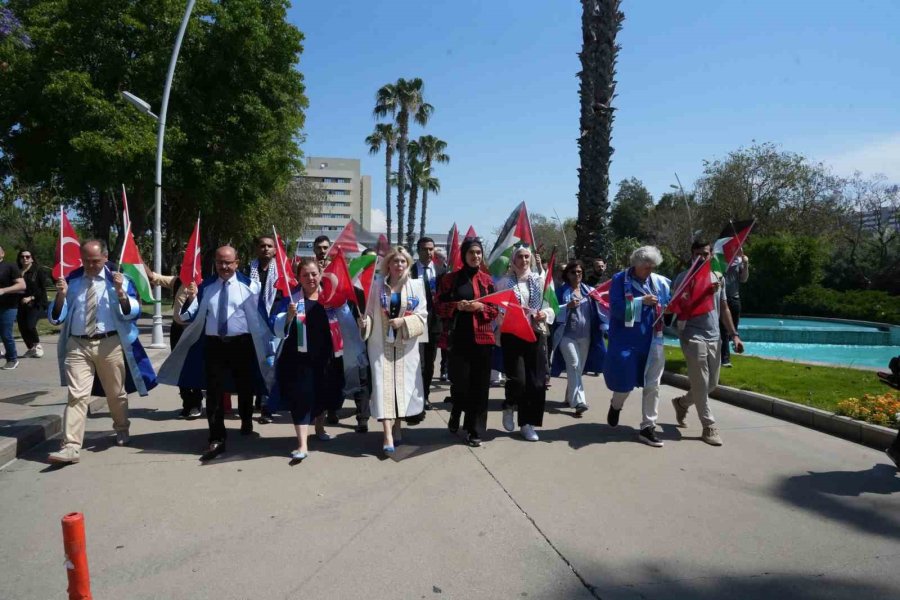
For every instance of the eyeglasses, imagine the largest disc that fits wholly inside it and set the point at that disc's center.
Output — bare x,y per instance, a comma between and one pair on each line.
225,263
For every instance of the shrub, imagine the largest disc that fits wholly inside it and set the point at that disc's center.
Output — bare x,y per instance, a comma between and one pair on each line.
863,305
882,409
778,266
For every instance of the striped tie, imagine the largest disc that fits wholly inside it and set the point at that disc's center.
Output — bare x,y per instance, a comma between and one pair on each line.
90,311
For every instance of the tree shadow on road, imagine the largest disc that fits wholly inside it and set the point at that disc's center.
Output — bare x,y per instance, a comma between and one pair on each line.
829,494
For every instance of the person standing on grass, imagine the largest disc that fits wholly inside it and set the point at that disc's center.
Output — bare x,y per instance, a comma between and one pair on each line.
635,356
701,344
738,272
32,303
98,343
11,286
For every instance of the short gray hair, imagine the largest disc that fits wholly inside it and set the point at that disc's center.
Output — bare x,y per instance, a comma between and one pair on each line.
646,255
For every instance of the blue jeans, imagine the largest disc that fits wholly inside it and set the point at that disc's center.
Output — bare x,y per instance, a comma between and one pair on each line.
7,318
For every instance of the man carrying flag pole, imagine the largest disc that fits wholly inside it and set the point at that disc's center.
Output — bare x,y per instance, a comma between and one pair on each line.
700,339
736,271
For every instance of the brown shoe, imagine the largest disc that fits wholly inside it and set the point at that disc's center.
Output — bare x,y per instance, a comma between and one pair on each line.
680,411
711,436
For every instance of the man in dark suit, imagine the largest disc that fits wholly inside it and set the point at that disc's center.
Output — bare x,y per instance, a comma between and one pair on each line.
425,268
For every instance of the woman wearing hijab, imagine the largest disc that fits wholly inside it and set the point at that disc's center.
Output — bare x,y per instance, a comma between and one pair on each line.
578,336
525,363
471,337
33,302
394,324
309,369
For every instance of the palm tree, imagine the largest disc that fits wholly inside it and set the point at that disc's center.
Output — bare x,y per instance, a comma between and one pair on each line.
601,20
415,172
432,150
386,135
400,100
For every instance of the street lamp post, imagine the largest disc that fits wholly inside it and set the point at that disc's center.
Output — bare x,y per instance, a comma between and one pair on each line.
686,205
563,230
144,107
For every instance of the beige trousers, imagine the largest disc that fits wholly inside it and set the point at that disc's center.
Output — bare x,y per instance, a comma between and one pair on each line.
85,359
703,360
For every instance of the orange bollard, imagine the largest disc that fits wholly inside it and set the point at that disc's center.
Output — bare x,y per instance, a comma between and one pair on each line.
76,557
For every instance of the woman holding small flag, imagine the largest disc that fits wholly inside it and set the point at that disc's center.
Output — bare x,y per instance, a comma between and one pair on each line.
309,368
578,336
525,362
394,324
635,357
471,337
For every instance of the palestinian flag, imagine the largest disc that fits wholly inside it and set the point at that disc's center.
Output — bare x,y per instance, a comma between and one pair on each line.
729,243
347,241
133,267
516,231
550,287
362,270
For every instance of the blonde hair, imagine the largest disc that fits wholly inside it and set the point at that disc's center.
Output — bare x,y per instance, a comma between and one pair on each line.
394,252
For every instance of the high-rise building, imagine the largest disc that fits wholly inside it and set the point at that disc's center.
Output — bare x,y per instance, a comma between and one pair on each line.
348,196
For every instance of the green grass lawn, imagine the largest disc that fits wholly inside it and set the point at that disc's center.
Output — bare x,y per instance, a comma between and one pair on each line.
817,386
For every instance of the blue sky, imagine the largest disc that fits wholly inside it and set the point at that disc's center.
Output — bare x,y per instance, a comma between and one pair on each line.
697,79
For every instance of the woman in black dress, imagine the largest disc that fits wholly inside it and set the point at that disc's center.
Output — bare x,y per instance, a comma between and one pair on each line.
310,377
33,303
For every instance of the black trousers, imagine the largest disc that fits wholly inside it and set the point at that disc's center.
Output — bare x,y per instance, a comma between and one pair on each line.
525,365
27,317
735,307
470,381
428,354
232,357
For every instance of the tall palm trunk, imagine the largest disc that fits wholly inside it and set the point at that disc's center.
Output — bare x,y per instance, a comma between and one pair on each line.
601,20
424,208
403,123
388,156
411,220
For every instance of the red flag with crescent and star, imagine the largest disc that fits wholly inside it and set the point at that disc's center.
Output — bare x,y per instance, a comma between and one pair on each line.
286,279
337,287
191,267
68,248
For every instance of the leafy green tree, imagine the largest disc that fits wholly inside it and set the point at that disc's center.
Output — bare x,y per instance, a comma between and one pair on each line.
601,20
433,150
781,264
402,100
631,205
385,135
549,235
234,121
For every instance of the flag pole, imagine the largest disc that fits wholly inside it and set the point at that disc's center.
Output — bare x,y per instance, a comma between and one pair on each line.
695,268
124,243
194,250
62,248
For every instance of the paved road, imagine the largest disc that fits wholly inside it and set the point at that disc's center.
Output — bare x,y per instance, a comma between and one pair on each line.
778,512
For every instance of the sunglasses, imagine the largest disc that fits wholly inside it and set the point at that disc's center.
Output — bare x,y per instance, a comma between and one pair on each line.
26,256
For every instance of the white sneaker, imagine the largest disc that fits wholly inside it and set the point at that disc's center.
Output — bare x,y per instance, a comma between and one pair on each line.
529,433
38,351
509,421
67,454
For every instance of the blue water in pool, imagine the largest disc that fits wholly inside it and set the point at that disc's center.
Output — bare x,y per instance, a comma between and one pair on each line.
802,324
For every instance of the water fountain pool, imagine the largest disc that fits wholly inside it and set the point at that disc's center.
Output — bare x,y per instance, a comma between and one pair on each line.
835,342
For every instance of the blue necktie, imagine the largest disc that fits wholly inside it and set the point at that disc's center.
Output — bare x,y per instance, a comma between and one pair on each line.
223,310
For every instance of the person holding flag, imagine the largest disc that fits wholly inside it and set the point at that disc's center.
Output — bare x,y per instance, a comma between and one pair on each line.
98,344
224,348
578,336
309,367
471,337
524,362
700,307
636,357
394,324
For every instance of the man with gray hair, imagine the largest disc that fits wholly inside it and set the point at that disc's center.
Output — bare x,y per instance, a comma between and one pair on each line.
635,356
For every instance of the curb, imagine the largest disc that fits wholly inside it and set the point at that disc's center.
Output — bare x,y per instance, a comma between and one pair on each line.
21,436
874,436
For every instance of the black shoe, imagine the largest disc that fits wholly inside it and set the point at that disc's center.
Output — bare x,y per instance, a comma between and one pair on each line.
215,449
648,436
332,418
453,423
428,405
362,428
474,440
894,454
265,417
184,413
247,429
612,417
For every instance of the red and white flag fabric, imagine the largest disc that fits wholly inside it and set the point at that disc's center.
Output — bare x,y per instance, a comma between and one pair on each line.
471,233
515,321
601,294
347,241
453,259
730,242
383,246
191,265
286,279
337,286
696,294
68,248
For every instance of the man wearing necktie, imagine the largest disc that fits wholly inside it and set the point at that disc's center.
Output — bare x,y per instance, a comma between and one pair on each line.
223,350
97,310
425,268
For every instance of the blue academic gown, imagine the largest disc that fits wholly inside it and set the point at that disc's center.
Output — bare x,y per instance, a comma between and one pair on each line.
185,365
139,375
629,347
597,351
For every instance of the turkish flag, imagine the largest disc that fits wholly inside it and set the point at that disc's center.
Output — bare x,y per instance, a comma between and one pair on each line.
337,287
697,293
191,264
601,294
516,321
286,279
68,248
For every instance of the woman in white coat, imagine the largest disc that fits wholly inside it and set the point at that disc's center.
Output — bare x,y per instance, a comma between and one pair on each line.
394,323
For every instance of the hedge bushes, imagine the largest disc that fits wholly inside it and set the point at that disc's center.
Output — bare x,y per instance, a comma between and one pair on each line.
863,305
779,265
